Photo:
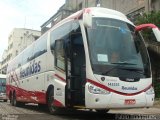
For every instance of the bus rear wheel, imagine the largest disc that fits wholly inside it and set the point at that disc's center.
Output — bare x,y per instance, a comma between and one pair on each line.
13,100
16,103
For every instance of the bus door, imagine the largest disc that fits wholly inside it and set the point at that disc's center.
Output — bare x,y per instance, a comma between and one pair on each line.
70,59
76,70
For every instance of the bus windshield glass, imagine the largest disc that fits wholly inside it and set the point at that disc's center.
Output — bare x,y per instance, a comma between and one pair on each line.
116,49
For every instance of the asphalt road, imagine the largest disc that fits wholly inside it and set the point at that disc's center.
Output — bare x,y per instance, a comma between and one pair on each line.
33,112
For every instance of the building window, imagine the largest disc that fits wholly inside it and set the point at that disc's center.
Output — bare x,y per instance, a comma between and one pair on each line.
36,37
16,52
80,6
11,45
134,15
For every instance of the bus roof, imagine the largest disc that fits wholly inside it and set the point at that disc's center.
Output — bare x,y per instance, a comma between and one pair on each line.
95,12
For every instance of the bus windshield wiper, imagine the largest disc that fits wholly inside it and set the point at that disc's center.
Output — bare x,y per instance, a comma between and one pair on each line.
129,69
116,67
140,71
123,63
111,69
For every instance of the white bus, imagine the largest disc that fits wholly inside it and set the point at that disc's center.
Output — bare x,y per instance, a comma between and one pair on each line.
3,88
93,59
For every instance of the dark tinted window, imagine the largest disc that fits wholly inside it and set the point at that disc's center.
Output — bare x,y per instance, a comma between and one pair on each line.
40,46
28,54
59,55
114,44
59,33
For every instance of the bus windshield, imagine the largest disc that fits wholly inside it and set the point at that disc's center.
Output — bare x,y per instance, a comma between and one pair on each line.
116,49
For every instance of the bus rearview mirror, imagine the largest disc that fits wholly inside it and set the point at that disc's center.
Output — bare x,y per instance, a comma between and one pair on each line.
87,19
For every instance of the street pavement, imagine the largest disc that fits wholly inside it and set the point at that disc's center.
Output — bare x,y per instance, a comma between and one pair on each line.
6,108
32,112
152,110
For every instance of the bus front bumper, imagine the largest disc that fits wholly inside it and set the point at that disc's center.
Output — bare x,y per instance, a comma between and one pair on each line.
114,100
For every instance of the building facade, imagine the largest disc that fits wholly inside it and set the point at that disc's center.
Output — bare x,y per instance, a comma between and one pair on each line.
0,67
62,13
4,62
18,40
131,8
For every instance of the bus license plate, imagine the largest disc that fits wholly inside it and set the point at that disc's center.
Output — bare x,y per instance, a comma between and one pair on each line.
130,101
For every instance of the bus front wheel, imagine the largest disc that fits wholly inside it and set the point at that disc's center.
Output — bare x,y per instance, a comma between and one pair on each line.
51,107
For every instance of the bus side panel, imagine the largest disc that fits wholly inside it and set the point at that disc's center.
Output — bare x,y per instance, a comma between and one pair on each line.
52,80
59,91
36,85
31,87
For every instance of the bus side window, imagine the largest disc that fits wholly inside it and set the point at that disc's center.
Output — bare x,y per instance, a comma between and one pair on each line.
27,53
40,47
19,60
59,54
60,33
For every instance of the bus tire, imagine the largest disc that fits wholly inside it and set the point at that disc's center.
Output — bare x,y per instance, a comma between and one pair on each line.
15,102
13,99
51,107
102,111
10,98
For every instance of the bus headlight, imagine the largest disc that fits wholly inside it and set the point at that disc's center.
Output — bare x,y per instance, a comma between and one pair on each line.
150,91
97,90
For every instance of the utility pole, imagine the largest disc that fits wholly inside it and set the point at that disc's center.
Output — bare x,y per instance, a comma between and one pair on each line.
149,2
